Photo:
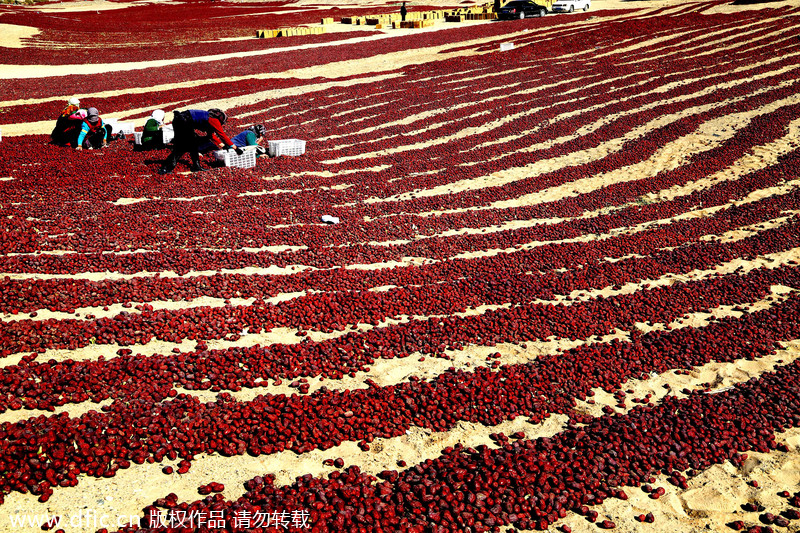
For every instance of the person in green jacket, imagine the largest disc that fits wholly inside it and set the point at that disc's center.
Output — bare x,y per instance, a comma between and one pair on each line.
152,136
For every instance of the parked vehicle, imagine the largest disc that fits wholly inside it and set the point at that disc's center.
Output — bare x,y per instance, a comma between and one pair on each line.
568,6
520,9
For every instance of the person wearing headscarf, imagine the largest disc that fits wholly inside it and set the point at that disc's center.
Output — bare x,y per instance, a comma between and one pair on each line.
68,123
93,134
152,135
255,135
186,124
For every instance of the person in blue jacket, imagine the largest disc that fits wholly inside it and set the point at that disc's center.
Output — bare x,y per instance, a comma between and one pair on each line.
255,135
93,133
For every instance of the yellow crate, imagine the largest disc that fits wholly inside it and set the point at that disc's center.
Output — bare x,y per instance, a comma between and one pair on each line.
327,20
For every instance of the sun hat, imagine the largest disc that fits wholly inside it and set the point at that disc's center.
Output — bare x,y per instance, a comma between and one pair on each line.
74,101
158,116
92,115
259,130
218,114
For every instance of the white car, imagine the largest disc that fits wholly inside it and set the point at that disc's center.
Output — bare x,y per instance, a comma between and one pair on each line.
568,6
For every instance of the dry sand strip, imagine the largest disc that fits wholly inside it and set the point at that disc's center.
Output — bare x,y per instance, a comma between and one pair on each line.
125,494
711,134
105,276
110,311
275,249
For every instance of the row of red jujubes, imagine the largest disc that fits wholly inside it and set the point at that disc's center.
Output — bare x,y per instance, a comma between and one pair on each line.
67,294
472,197
42,452
163,236
48,384
351,308
63,203
530,484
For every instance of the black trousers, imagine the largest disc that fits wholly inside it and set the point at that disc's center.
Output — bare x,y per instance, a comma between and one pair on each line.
186,140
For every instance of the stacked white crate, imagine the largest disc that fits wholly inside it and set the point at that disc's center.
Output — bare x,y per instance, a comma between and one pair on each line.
123,127
119,127
286,147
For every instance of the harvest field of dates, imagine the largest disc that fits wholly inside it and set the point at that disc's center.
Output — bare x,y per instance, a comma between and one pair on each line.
533,274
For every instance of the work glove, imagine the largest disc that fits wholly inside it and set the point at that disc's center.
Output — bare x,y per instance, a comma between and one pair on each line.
238,150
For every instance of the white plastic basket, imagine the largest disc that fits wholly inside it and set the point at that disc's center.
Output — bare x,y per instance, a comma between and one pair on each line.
167,134
232,159
286,147
123,127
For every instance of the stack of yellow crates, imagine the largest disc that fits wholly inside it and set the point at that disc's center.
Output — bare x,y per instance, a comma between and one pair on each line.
290,32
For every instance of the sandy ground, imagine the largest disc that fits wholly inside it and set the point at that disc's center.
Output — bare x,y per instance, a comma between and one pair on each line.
712,499
13,34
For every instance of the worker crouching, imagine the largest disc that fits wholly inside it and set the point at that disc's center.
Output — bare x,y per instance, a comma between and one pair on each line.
186,125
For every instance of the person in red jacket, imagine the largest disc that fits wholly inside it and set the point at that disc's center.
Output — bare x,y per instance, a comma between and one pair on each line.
68,123
186,124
